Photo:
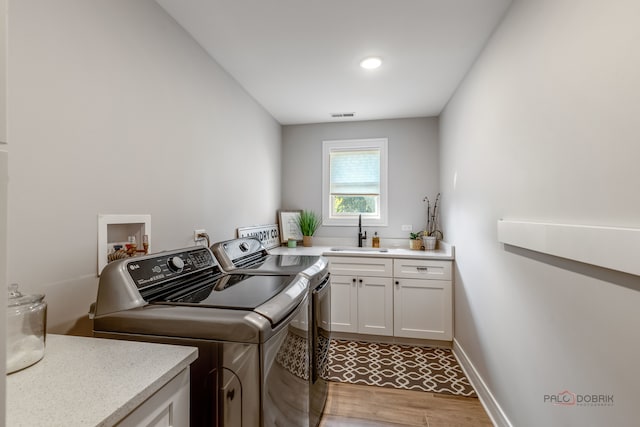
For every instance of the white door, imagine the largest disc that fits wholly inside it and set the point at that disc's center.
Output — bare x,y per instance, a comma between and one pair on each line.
4,172
344,304
375,305
423,309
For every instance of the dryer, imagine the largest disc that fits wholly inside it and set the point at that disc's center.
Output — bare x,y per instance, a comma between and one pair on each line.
248,256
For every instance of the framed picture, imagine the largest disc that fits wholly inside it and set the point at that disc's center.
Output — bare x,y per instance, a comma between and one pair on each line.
289,228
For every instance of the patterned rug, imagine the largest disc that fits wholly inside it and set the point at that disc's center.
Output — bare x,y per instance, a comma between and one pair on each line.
398,366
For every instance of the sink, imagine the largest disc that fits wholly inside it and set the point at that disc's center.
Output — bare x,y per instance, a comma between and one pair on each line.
348,249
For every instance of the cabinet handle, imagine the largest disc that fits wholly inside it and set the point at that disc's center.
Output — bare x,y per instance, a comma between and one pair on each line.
360,280
354,280
397,282
422,268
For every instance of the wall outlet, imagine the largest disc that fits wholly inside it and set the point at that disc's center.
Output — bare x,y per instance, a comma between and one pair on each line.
407,227
196,232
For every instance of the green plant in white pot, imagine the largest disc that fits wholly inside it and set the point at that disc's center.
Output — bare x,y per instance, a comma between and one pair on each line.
432,233
308,222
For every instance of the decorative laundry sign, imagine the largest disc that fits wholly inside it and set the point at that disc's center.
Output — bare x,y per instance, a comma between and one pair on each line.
267,234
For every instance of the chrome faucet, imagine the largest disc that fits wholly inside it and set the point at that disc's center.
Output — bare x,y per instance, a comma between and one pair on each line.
361,236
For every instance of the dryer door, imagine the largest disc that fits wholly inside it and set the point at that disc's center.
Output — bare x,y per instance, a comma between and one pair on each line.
240,389
286,363
231,393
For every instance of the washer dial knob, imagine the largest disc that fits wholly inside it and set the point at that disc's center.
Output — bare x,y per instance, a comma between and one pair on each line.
175,264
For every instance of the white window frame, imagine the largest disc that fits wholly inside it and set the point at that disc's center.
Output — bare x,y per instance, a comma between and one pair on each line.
354,144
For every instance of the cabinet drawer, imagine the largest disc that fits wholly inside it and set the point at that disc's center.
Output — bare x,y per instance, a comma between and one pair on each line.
422,269
376,267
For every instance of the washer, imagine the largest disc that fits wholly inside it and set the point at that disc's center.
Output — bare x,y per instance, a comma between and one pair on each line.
253,365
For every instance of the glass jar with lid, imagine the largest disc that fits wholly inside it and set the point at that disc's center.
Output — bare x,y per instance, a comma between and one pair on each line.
26,329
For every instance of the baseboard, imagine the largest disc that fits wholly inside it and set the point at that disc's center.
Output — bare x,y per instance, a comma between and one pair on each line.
491,405
348,336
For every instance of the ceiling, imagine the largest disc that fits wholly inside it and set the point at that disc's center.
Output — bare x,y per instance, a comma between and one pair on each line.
300,58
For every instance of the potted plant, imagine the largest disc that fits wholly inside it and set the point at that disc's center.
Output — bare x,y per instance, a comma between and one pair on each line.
308,222
415,241
432,234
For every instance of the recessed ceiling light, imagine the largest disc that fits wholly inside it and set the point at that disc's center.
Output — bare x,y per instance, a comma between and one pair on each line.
371,63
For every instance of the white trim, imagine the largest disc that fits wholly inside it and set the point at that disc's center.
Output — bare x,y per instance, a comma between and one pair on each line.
489,402
347,144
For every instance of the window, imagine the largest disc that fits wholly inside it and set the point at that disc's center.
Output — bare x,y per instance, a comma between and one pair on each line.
354,182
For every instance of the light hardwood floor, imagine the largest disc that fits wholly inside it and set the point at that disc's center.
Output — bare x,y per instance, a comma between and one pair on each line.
350,405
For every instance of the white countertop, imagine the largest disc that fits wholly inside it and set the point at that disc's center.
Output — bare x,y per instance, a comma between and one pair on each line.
90,381
444,251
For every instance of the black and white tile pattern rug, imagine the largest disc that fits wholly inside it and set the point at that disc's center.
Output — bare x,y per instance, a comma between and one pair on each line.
399,366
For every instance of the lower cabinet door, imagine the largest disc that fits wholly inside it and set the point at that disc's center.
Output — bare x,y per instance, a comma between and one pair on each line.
344,304
168,407
423,309
375,305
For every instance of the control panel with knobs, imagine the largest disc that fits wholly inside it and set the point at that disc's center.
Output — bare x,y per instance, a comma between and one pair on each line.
175,264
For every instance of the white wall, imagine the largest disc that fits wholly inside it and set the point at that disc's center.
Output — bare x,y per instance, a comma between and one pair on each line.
4,170
413,169
3,271
545,127
113,108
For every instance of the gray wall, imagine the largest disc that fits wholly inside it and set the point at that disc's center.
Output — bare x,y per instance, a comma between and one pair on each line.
545,127
114,109
413,169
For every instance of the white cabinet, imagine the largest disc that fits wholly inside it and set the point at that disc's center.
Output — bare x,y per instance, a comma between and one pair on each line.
423,299
375,305
168,407
4,166
361,266
422,269
344,304
408,298
361,295
138,383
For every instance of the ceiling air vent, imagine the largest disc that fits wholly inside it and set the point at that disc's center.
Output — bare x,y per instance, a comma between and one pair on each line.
338,115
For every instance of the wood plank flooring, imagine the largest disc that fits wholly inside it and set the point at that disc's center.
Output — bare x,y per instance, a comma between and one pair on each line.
350,405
